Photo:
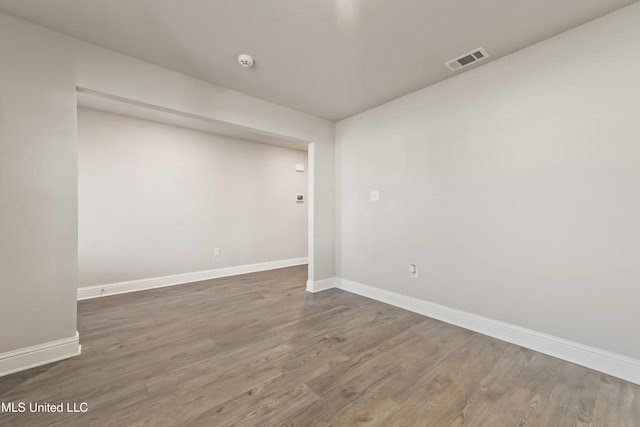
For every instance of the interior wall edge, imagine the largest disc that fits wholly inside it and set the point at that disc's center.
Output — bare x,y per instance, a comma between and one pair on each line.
38,355
315,286
617,365
89,292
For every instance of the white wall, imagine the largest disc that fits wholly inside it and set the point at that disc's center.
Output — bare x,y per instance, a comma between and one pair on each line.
155,200
38,191
513,187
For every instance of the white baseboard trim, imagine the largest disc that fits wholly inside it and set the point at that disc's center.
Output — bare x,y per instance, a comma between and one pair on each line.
321,285
610,363
179,279
37,355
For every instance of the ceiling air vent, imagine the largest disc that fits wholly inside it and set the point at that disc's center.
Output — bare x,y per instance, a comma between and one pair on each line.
469,58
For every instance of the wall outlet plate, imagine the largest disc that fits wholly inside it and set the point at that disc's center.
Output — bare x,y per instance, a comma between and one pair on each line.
413,270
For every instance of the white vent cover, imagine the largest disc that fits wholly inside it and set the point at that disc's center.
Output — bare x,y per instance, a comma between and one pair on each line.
468,59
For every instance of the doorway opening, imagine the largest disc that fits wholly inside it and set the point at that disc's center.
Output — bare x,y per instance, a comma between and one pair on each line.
167,197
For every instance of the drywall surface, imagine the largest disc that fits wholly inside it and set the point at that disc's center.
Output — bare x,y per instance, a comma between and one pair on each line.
513,187
38,190
157,200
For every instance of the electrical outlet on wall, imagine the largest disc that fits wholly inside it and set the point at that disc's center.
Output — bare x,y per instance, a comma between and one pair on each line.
216,252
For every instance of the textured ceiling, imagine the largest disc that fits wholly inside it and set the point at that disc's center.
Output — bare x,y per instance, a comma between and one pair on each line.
330,58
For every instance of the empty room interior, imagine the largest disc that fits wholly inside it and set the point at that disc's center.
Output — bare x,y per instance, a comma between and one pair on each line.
323,213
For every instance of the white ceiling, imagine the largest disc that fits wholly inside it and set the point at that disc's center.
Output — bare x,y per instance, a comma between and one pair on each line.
330,58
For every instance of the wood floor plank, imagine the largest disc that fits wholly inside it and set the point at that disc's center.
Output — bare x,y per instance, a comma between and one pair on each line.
257,350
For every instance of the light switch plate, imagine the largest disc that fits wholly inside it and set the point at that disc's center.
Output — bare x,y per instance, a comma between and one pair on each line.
374,196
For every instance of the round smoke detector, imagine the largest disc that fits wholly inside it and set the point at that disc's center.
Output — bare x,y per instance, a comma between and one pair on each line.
245,60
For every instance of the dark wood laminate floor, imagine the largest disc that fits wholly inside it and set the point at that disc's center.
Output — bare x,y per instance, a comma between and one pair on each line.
256,350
